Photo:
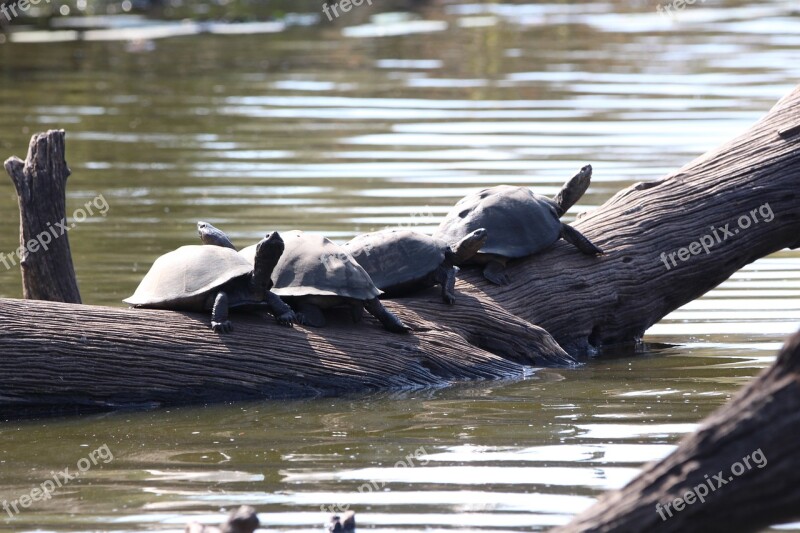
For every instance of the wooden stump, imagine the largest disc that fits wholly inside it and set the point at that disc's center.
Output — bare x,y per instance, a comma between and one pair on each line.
44,255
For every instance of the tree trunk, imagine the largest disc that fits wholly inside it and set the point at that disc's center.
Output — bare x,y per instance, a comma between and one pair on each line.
109,357
759,429
44,255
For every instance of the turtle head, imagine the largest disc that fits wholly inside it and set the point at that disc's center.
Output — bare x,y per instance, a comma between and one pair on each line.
211,235
268,252
467,247
242,520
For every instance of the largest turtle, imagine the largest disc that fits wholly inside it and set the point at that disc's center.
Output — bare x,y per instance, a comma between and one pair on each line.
314,274
216,279
518,221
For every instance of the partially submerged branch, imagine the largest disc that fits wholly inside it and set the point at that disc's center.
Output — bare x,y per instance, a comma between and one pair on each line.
739,472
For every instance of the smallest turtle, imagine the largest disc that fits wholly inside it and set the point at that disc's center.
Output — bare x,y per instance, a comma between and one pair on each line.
402,261
343,524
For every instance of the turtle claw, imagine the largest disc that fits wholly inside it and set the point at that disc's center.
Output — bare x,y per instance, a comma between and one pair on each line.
500,279
449,299
222,327
287,319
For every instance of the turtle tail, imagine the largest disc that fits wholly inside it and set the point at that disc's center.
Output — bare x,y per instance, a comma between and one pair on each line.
572,190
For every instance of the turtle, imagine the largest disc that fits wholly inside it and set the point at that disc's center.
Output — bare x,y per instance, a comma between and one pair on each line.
314,274
242,520
213,278
519,223
342,524
401,261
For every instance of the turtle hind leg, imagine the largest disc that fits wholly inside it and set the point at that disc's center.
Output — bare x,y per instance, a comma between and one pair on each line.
309,314
446,277
495,271
357,311
572,190
389,320
577,239
219,314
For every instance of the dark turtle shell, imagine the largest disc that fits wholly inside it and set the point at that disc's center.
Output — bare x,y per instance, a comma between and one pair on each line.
397,257
312,265
180,279
518,221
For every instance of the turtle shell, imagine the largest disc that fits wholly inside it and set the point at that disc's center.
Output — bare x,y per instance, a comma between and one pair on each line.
519,222
179,277
396,257
313,265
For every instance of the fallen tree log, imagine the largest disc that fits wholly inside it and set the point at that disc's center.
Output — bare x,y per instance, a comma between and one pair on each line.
737,472
115,357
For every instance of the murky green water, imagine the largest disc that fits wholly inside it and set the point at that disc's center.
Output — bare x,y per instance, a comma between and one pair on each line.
341,130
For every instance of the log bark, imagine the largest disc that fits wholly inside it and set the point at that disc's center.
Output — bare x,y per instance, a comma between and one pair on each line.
66,355
763,418
44,254
115,357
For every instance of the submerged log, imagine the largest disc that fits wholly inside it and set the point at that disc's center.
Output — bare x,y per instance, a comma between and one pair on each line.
75,355
740,471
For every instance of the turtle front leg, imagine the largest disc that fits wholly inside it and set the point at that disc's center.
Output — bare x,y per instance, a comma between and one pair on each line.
219,314
283,313
495,272
446,277
386,317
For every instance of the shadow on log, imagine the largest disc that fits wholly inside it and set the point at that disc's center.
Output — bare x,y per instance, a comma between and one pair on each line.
58,354
759,428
